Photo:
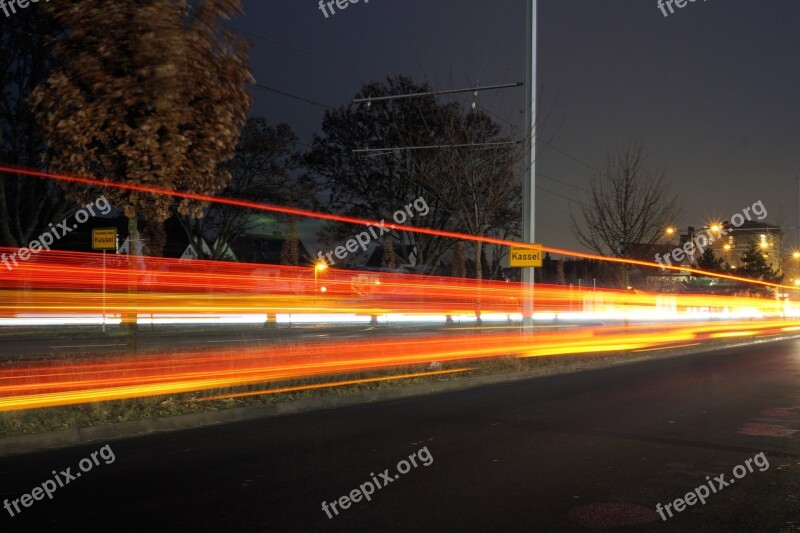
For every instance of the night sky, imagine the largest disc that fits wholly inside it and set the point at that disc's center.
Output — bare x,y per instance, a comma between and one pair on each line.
711,90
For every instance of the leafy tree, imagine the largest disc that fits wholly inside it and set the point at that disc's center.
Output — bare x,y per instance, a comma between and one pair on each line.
147,93
710,262
755,266
705,284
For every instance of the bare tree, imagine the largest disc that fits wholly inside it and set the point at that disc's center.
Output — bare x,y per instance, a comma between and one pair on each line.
376,184
474,178
458,261
262,171
628,208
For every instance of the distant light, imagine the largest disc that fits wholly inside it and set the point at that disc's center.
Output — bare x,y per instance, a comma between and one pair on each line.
323,289
319,267
670,231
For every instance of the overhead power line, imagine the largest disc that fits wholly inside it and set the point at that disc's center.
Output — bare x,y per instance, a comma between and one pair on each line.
432,146
371,99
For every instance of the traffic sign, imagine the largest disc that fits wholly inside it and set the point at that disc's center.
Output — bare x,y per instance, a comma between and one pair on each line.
104,239
526,257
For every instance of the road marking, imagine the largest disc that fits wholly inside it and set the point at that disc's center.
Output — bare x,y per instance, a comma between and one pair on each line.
87,346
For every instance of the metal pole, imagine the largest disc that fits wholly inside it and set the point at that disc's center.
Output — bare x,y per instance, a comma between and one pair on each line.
529,180
104,291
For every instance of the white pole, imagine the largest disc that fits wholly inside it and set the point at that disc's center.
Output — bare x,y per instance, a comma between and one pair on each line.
529,181
104,291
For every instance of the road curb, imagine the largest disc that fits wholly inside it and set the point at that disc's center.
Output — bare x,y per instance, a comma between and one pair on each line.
24,444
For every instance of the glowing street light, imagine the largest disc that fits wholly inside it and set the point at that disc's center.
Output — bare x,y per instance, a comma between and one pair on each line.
319,267
670,231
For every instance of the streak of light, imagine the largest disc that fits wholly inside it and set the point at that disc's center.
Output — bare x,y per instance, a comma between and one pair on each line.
335,384
362,222
59,382
729,334
671,347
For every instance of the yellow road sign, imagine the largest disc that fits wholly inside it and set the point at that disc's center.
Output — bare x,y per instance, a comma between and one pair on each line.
525,257
104,239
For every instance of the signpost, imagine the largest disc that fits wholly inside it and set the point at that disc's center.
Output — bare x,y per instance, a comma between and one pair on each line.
104,239
526,257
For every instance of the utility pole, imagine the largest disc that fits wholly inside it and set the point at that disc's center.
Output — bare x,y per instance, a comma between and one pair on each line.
529,179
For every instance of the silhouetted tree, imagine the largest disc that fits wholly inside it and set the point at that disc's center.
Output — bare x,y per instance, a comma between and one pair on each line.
262,170
147,93
27,205
754,265
710,262
629,204
377,184
458,261
290,250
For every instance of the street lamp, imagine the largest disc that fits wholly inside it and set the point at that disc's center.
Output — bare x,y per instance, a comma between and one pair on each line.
715,227
318,267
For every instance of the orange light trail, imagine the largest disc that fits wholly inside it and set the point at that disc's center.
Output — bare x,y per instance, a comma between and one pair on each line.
70,284
335,384
362,221
57,383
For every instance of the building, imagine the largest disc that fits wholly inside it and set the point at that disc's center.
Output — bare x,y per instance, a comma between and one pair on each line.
732,245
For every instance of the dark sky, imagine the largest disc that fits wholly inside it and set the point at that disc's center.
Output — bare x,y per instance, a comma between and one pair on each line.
711,90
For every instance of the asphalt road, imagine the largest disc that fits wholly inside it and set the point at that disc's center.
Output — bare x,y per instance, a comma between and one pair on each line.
576,452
